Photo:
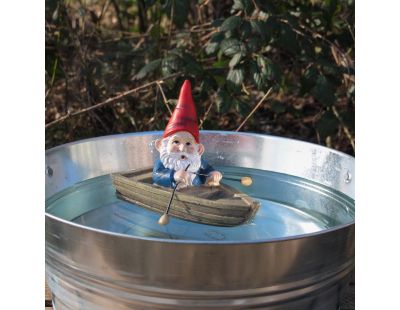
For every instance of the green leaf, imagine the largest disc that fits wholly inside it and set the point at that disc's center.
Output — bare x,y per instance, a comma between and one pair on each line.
217,37
194,68
240,106
243,5
256,75
308,80
217,22
235,59
254,44
211,47
263,71
261,62
223,101
333,73
288,39
327,125
191,65
220,64
230,46
170,65
248,6
238,5
258,80
181,13
214,43
272,27
220,80
208,84
348,119
274,73
260,27
265,67
231,23
245,30
150,67
235,76
230,34
269,6
324,92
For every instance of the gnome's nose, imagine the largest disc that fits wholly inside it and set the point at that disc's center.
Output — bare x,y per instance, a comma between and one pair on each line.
181,147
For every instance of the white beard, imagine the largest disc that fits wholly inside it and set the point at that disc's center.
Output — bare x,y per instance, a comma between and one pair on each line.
174,161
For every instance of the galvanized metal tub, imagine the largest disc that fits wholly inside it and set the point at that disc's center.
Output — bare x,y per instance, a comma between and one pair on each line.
94,269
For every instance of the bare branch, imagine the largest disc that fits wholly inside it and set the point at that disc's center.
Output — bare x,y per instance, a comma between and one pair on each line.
109,100
255,5
164,97
205,115
255,108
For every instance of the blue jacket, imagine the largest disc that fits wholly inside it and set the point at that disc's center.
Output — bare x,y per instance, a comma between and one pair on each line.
165,177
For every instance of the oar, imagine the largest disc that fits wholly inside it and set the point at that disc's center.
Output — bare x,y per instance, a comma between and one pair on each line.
246,181
164,219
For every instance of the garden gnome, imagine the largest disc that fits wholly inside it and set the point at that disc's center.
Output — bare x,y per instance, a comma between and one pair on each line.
180,147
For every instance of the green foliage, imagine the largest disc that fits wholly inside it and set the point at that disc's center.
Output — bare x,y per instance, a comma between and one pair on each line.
324,92
233,51
230,46
150,67
231,23
327,125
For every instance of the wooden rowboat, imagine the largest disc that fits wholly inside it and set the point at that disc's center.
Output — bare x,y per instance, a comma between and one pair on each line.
221,205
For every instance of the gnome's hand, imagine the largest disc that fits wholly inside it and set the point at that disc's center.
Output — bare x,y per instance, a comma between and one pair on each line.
183,178
214,178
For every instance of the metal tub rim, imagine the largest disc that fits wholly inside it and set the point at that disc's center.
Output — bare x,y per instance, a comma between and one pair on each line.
224,132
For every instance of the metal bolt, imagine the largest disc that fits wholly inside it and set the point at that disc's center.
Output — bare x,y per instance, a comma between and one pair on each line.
49,171
347,178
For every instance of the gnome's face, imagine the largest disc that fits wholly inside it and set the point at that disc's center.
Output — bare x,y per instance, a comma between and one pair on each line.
179,150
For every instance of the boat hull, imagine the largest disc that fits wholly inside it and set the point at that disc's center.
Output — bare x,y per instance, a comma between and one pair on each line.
219,206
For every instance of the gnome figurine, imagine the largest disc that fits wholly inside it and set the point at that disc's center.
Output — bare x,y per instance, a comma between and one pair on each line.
180,149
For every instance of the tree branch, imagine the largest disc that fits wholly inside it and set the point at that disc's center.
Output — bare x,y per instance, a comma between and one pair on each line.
109,100
164,97
255,108
206,114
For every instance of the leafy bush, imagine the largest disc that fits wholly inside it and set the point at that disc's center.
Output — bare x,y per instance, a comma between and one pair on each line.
233,51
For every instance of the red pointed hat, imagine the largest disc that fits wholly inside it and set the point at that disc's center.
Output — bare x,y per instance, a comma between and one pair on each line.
184,117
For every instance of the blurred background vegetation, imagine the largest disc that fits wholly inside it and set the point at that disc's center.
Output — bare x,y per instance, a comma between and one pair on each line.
116,66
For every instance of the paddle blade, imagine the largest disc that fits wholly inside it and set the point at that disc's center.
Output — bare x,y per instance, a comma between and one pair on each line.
246,181
164,219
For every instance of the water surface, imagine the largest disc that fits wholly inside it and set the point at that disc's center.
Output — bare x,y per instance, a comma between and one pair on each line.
289,206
